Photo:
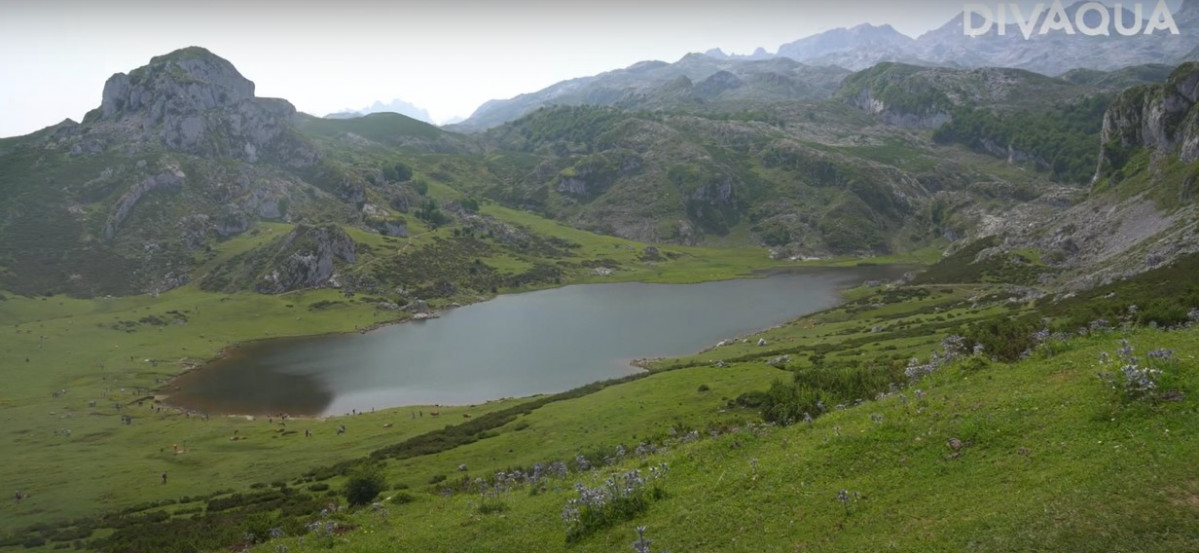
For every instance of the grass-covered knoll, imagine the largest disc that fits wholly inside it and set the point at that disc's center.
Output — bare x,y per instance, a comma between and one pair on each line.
912,89
384,128
982,261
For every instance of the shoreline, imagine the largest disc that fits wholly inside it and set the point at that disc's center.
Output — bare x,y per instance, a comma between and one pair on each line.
163,393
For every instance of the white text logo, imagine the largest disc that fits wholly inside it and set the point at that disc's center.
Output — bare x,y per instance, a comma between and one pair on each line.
1056,18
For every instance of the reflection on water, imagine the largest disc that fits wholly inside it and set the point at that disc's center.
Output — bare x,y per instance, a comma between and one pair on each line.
516,345
245,382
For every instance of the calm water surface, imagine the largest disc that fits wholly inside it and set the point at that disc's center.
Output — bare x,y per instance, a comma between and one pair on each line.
514,345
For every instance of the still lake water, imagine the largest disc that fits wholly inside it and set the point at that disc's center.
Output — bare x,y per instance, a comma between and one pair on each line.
514,345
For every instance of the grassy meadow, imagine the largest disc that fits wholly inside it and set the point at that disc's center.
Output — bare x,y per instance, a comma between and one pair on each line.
1035,454
70,362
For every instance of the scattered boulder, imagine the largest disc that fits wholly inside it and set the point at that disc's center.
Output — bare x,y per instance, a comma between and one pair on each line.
779,362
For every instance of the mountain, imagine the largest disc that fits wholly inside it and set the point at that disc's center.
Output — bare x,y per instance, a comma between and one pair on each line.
758,54
396,105
1139,212
883,38
661,85
696,81
180,157
1052,53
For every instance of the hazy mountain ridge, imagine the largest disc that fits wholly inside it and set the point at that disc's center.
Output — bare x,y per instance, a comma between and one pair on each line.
1052,53
180,155
695,80
653,84
396,105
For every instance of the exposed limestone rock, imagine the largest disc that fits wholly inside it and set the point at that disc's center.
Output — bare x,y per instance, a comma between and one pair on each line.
171,178
866,101
196,102
306,258
1158,117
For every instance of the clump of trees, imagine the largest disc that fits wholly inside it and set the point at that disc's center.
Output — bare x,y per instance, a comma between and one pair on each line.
431,214
1064,139
397,173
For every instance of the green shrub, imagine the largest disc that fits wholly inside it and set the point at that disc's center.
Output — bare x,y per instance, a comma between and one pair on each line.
364,486
491,505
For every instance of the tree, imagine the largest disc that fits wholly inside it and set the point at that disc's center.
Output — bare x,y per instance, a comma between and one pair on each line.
403,173
397,173
430,214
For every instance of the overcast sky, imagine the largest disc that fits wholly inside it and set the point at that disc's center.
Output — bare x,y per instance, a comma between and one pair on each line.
447,56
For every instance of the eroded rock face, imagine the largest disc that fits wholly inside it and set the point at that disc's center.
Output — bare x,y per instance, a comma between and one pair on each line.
184,81
306,258
171,178
1158,117
896,116
194,101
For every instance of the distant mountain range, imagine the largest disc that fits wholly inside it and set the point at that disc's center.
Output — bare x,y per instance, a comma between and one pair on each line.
397,105
697,82
1046,51
812,67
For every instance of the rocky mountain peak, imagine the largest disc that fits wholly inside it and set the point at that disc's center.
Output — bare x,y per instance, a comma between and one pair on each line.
184,81
194,101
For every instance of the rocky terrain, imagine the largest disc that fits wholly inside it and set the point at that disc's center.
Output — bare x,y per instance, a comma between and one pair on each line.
181,156
1140,211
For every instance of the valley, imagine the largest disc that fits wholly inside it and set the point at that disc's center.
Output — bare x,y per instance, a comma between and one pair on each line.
720,304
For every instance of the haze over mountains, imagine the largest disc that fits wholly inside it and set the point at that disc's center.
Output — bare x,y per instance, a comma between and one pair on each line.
1051,53
396,105
826,57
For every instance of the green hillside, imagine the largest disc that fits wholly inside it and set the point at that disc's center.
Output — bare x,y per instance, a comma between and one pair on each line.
1029,385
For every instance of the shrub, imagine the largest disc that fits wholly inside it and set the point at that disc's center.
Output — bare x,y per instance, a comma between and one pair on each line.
492,505
618,499
364,486
1136,379
1003,338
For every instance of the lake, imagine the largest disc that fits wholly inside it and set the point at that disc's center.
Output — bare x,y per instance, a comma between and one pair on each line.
514,345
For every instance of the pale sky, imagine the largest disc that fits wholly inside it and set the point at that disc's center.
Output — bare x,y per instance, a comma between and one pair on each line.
447,56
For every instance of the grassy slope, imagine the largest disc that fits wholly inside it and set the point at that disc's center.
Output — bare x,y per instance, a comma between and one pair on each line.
99,350
1054,463
717,499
